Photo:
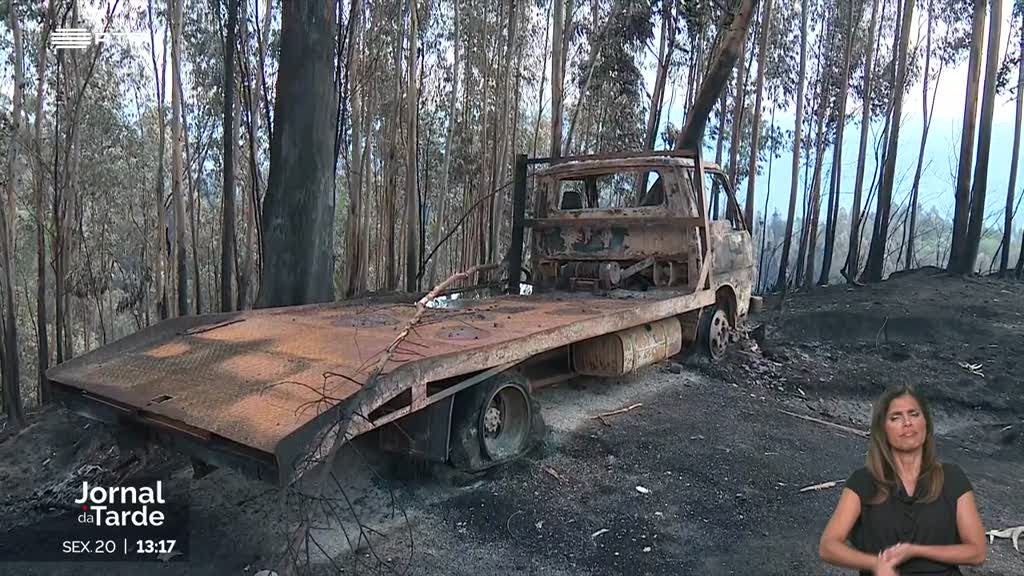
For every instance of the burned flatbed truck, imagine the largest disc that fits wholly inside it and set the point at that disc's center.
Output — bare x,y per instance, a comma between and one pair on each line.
628,264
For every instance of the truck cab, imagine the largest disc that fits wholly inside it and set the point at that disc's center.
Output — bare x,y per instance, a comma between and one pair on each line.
656,220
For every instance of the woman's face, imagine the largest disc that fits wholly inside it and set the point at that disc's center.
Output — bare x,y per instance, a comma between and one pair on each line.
905,424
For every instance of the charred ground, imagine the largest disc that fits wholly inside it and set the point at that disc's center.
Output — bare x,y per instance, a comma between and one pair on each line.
719,464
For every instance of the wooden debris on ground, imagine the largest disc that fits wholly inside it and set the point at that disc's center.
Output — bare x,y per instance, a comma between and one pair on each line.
601,417
972,368
822,486
553,473
1013,534
861,433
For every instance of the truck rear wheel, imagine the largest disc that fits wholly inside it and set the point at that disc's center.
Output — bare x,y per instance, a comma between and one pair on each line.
715,331
493,422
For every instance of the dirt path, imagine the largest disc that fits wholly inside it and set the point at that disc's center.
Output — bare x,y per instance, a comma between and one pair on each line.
718,466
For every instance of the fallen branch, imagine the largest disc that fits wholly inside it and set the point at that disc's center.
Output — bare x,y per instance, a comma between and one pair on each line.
1013,534
601,417
972,368
860,433
553,473
822,486
301,536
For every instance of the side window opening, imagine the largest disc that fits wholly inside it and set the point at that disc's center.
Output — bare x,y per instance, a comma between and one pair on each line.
721,204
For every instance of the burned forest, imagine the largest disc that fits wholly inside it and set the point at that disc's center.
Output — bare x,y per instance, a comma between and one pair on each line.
573,287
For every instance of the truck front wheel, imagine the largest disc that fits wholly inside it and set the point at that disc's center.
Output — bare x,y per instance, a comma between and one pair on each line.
492,423
715,331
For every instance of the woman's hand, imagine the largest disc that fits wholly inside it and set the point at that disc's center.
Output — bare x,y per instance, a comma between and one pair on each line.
898,554
884,567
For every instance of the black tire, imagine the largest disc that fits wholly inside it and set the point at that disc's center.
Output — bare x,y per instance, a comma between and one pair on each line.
494,422
714,333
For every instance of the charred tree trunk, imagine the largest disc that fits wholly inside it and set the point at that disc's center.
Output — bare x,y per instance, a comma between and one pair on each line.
787,241
730,49
412,198
39,185
227,231
980,185
176,161
852,265
927,114
8,223
755,138
876,255
837,153
1004,259
962,211
299,208
160,75
813,213
355,278
557,77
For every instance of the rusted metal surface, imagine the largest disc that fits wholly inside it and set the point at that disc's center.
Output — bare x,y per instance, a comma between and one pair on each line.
279,387
270,380
626,351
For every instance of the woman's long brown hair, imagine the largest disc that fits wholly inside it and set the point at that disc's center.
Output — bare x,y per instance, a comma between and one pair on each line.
880,461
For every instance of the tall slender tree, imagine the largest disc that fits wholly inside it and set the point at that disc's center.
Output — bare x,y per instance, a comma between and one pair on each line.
9,359
177,162
412,197
227,236
876,255
927,113
835,180
787,240
1004,257
298,211
755,138
558,37
39,185
852,265
160,76
979,187
962,210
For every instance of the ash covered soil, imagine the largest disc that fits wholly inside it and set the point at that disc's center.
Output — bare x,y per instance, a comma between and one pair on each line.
704,477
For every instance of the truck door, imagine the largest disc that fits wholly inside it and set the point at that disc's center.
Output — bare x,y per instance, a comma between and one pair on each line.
732,259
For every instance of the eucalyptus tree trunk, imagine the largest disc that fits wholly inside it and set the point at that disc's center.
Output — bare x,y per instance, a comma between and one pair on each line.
980,185
927,114
1014,158
808,250
228,124
412,198
729,50
739,102
557,77
787,240
962,210
879,236
837,153
160,75
755,129
438,228
8,224
39,185
355,260
177,161
665,48
852,265
298,210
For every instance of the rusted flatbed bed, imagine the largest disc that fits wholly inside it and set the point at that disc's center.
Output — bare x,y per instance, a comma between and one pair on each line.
626,268
253,389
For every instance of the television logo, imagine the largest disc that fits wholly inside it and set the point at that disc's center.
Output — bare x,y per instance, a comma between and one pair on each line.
81,38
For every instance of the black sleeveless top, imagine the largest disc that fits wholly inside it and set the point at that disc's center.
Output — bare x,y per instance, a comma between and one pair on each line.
902,518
